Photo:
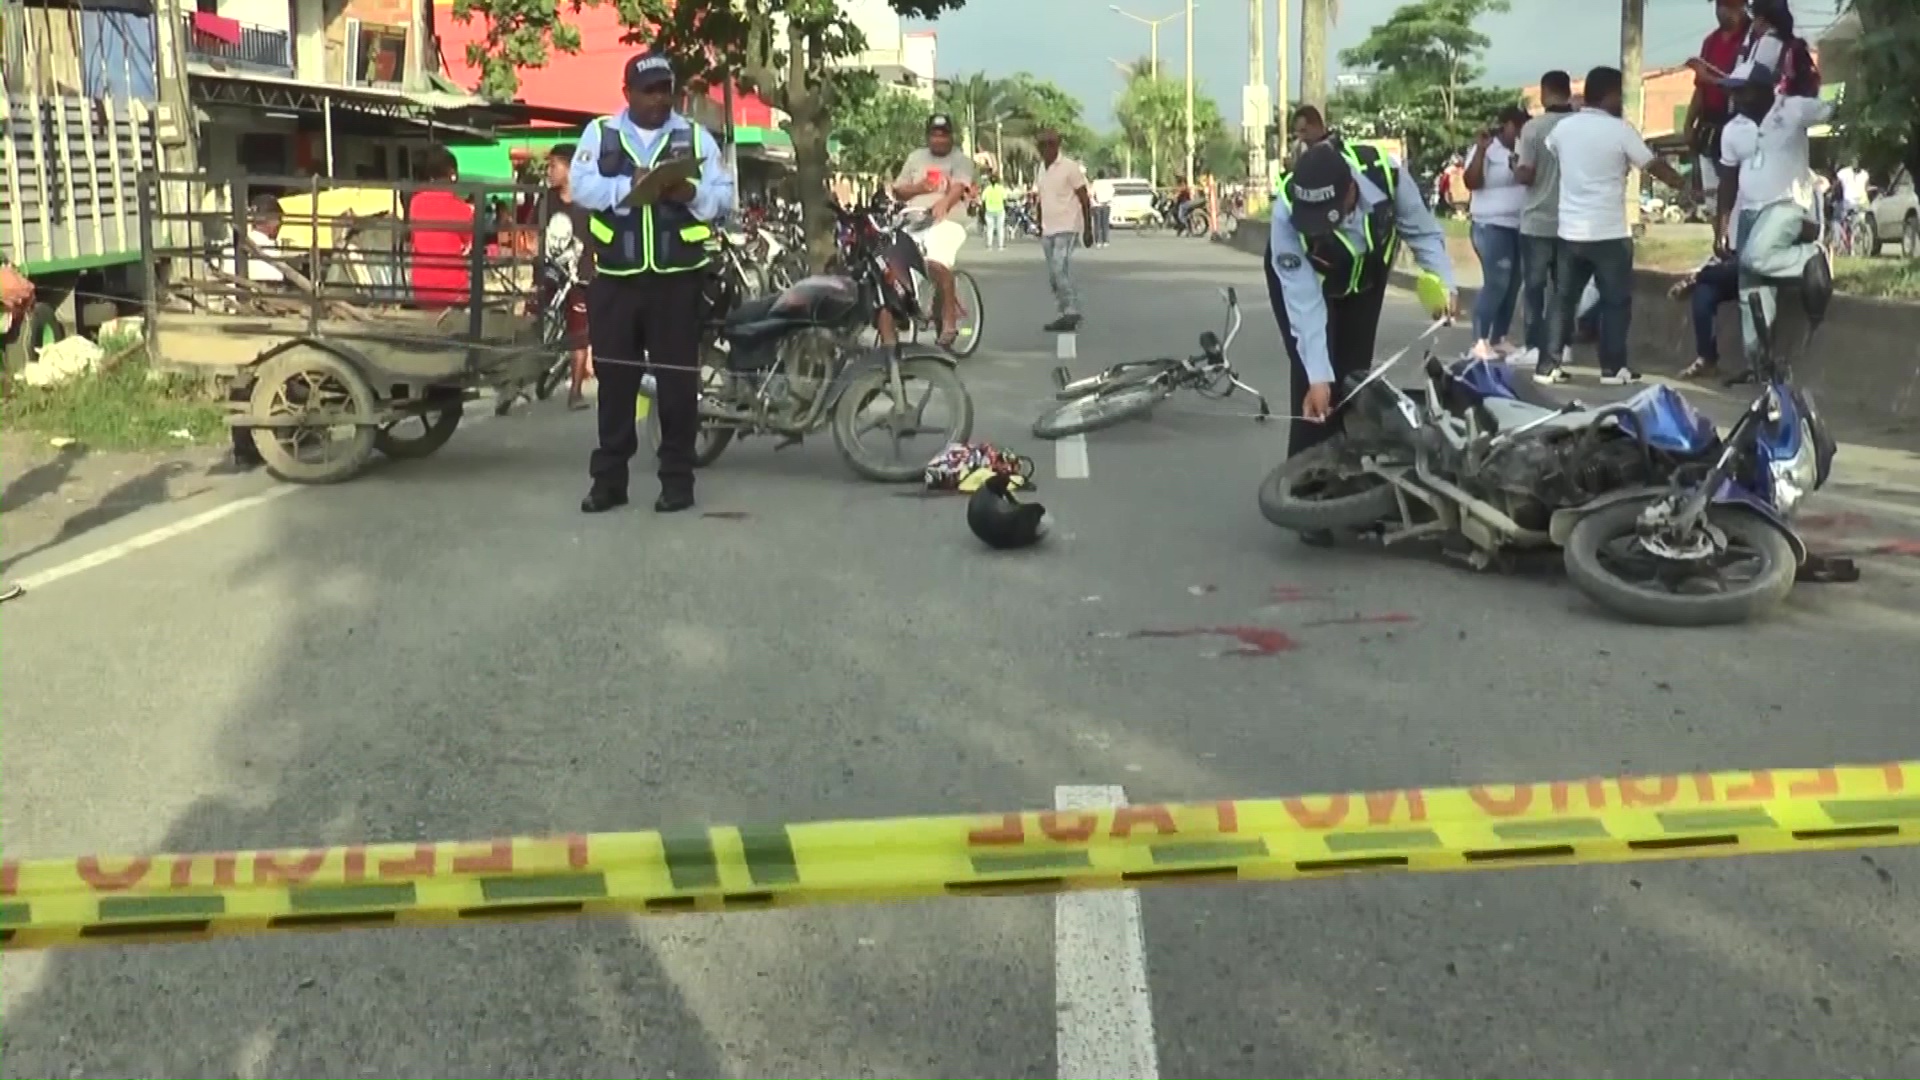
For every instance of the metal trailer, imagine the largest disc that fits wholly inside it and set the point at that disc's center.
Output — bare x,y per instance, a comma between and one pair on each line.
329,344
79,121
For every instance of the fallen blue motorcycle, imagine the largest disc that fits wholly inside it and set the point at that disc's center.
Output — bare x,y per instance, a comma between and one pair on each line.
1659,517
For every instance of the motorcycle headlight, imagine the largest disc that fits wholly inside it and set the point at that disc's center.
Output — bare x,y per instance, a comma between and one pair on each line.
1794,477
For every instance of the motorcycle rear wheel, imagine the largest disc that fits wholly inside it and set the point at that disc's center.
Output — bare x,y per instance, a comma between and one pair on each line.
714,437
1282,501
1588,569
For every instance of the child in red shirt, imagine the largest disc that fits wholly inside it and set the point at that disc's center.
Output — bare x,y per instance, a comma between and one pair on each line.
441,227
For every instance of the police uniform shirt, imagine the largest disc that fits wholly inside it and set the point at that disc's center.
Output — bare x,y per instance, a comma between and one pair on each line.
713,194
1300,282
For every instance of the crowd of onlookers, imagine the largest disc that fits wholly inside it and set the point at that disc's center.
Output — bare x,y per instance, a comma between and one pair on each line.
1547,195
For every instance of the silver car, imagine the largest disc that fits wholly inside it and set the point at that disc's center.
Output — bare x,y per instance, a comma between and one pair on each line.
1893,217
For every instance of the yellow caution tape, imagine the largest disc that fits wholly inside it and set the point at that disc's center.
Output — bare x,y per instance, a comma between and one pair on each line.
105,900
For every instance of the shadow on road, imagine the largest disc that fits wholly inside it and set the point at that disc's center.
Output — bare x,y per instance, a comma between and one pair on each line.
147,489
42,479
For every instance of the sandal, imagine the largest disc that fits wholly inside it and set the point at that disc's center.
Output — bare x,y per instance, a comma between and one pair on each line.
947,337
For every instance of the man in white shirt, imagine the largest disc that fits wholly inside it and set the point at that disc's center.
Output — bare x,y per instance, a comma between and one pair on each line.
1768,205
263,230
1855,189
1596,150
1535,166
1066,220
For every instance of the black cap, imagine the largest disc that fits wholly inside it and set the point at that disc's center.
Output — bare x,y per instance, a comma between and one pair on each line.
940,122
1317,188
647,69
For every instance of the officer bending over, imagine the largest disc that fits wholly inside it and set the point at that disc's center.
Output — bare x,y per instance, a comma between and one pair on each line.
644,306
1342,213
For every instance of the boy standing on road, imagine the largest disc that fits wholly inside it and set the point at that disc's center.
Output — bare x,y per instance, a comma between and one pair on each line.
993,200
1066,219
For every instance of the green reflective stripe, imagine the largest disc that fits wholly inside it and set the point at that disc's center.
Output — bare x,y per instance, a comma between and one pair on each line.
601,231
696,233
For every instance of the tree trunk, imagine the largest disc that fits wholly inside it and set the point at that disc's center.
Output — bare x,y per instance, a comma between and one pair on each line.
808,129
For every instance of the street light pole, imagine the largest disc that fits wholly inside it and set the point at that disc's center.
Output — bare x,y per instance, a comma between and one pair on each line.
1188,171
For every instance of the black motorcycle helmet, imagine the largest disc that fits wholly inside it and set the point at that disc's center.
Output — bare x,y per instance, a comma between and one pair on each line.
1003,522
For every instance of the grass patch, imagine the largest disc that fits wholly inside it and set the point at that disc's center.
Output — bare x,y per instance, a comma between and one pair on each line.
1885,279
130,406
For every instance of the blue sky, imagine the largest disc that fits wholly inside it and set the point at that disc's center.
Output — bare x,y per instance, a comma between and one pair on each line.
1070,41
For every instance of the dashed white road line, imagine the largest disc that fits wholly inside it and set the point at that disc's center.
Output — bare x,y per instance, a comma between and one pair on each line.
116,551
1070,453
1103,1010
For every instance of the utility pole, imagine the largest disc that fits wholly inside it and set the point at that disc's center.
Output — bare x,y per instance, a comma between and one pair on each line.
1313,52
1282,86
1153,30
1633,36
1253,103
1188,172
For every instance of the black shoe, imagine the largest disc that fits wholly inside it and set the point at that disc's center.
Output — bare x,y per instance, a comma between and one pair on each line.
1320,538
601,500
1065,324
672,501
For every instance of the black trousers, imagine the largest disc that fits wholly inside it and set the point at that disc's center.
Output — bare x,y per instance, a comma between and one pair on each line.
641,324
1353,324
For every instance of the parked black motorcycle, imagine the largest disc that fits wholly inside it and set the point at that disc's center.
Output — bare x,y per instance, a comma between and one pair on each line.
792,363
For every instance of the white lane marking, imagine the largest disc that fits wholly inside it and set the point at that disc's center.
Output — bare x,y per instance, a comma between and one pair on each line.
1069,454
1103,1010
115,552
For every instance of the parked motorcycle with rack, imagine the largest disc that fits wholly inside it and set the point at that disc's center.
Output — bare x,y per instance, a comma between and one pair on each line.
793,363
1658,516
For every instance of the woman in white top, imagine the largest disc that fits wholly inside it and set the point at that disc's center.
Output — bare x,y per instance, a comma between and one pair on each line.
1498,199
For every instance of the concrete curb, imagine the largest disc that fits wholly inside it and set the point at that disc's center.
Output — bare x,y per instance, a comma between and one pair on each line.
1866,358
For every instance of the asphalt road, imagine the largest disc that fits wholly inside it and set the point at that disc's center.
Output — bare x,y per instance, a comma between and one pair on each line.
448,650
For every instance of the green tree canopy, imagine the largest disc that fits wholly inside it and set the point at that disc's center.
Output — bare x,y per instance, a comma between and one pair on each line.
1152,114
1428,44
1880,112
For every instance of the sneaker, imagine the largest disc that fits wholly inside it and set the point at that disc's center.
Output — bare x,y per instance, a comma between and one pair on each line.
1623,377
1525,358
1065,324
1552,376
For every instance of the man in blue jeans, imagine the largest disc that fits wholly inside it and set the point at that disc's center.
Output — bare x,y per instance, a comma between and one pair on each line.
1596,150
1540,220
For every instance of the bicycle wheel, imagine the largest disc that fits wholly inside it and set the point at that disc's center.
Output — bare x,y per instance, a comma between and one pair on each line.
1102,410
973,314
1125,373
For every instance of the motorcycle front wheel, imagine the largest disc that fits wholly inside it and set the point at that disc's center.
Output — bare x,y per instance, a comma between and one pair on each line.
867,404
1607,561
1314,491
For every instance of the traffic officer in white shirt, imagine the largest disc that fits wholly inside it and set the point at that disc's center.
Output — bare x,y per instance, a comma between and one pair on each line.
644,307
1768,206
1342,212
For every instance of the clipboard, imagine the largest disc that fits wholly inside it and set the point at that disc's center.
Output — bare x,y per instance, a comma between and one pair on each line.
648,189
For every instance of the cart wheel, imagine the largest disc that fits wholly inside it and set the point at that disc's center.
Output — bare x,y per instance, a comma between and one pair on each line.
314,385
416,435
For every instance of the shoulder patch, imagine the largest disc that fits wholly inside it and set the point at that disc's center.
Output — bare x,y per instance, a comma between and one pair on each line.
1290,262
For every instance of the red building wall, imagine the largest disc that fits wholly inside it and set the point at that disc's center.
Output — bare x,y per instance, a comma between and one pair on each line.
587,81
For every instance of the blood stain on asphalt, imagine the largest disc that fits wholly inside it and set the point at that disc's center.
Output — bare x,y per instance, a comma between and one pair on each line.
1842,522
1254,640
1910,548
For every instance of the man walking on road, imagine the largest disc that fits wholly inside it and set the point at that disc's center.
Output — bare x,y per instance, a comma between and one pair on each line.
1596,149
1537,168
1066,220
993,200
644,306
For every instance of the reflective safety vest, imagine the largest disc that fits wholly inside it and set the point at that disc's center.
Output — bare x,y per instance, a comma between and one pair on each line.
1344,268
664,238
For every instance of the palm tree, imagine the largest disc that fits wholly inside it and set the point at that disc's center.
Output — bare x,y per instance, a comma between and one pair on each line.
990,115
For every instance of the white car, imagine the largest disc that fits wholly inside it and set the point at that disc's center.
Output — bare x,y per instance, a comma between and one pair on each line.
1893,217
1130,197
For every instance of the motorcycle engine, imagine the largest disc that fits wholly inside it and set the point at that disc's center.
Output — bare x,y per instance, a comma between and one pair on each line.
806,362
1536,476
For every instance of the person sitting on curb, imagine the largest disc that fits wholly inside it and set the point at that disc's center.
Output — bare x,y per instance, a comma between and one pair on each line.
1715,282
